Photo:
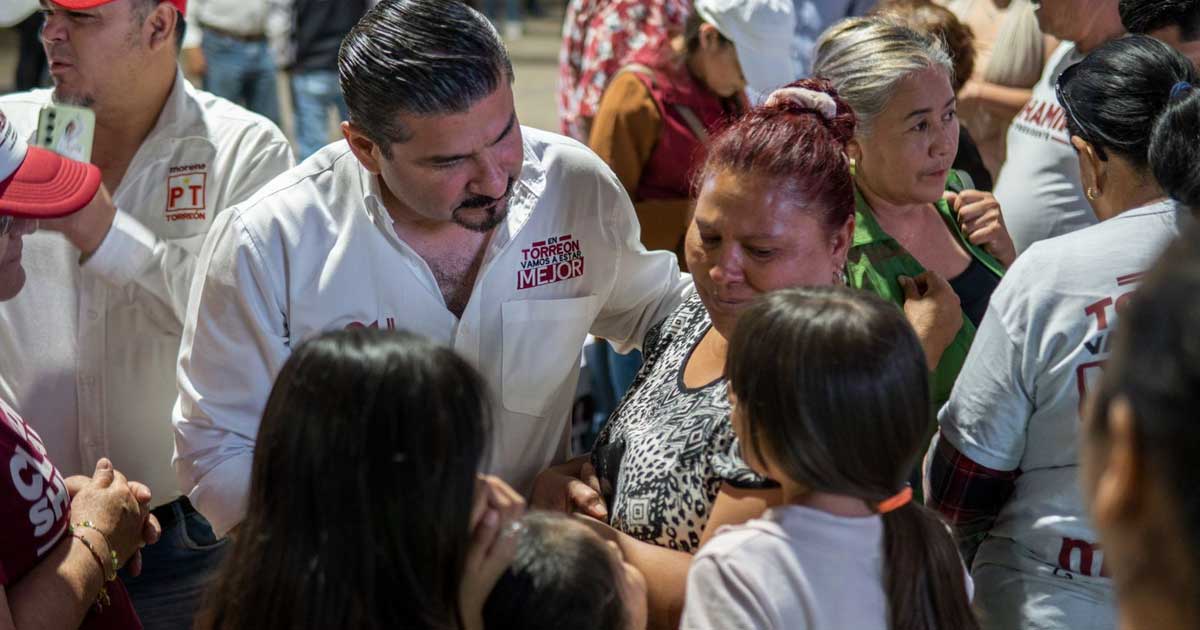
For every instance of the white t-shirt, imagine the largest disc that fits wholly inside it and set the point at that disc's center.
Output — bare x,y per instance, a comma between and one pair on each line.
1039,187
794,568
1044,340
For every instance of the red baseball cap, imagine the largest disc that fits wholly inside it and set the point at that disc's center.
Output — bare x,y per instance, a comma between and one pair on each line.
39,184
91,4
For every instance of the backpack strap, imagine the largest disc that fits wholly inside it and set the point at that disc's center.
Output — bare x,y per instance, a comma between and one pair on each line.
693,123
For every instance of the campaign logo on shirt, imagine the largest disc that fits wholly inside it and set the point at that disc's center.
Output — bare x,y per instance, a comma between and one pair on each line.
186,192
1103,314
553,260
1044,120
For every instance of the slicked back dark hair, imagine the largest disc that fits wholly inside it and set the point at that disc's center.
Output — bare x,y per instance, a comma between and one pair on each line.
423,57
1147,16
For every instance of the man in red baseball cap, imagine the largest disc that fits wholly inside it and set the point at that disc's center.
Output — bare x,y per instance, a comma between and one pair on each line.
91,4
90,348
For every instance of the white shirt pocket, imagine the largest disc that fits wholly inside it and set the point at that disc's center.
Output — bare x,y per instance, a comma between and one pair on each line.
542,340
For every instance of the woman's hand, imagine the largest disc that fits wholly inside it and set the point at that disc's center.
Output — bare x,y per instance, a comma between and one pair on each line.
570,487
118,509
495,525
981,220
933,309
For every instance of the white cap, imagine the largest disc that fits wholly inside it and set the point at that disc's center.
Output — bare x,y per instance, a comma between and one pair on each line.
762,32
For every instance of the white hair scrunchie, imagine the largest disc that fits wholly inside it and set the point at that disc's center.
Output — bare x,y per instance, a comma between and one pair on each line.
807,98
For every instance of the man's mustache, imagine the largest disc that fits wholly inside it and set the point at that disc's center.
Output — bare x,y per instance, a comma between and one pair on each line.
481,201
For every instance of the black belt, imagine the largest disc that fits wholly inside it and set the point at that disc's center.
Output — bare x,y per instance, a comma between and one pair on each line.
166,514
231,35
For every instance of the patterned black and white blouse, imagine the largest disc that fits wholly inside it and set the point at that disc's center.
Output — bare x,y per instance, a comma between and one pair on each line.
667,448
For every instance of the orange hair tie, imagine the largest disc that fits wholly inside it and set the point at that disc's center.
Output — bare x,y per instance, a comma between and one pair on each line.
896,501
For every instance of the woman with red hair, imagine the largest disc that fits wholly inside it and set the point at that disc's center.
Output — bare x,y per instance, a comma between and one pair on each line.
775,209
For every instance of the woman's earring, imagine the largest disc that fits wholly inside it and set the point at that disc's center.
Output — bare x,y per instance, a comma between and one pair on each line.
839,277
1092,195
853,167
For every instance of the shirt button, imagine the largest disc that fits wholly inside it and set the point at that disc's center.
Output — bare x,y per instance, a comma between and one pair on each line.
92,314
89,381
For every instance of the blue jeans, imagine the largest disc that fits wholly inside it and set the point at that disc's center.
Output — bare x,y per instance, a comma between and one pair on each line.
241,71
512,10
612,374
176,571
313,93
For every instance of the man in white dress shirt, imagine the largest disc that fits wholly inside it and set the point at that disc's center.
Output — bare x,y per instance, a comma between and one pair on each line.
90,348
438,214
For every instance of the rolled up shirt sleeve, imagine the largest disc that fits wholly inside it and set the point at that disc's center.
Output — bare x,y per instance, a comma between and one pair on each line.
235,340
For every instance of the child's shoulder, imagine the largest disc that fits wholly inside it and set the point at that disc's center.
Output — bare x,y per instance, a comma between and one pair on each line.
756,535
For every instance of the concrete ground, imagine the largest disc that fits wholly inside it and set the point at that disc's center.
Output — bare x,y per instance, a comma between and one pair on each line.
534,56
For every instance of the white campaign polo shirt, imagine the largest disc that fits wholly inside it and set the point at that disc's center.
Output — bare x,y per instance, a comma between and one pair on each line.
89,350
315,250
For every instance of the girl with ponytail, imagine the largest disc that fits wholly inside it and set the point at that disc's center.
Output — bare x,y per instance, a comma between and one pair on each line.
830,391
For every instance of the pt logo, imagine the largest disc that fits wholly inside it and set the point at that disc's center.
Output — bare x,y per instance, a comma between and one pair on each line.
553,260
186,192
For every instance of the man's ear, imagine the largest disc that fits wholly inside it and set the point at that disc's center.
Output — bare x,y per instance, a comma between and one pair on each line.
159,27
362,147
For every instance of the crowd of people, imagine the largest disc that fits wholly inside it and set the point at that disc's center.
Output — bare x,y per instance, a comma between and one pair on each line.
873,391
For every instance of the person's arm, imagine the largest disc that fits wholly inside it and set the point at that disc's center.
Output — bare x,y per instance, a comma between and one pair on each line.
58,591
121,250
666,569
982,428
735,506
626,128
235,340
281,22
1001,100
968,494
934,311
646,285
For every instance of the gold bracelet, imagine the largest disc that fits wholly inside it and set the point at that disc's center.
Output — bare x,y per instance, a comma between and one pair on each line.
102,598
112,553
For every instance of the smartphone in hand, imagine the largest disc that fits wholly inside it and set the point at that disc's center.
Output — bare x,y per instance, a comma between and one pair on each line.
67,130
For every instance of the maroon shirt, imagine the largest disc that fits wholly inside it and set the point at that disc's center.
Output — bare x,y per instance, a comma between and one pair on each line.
668,173
34,514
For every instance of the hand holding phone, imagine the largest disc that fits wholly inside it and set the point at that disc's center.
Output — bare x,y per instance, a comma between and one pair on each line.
67,130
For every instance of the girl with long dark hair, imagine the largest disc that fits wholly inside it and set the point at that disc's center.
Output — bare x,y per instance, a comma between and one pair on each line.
366,509
830,391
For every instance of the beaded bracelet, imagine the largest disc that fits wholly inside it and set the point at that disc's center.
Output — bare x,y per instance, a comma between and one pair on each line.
112,553
102,598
